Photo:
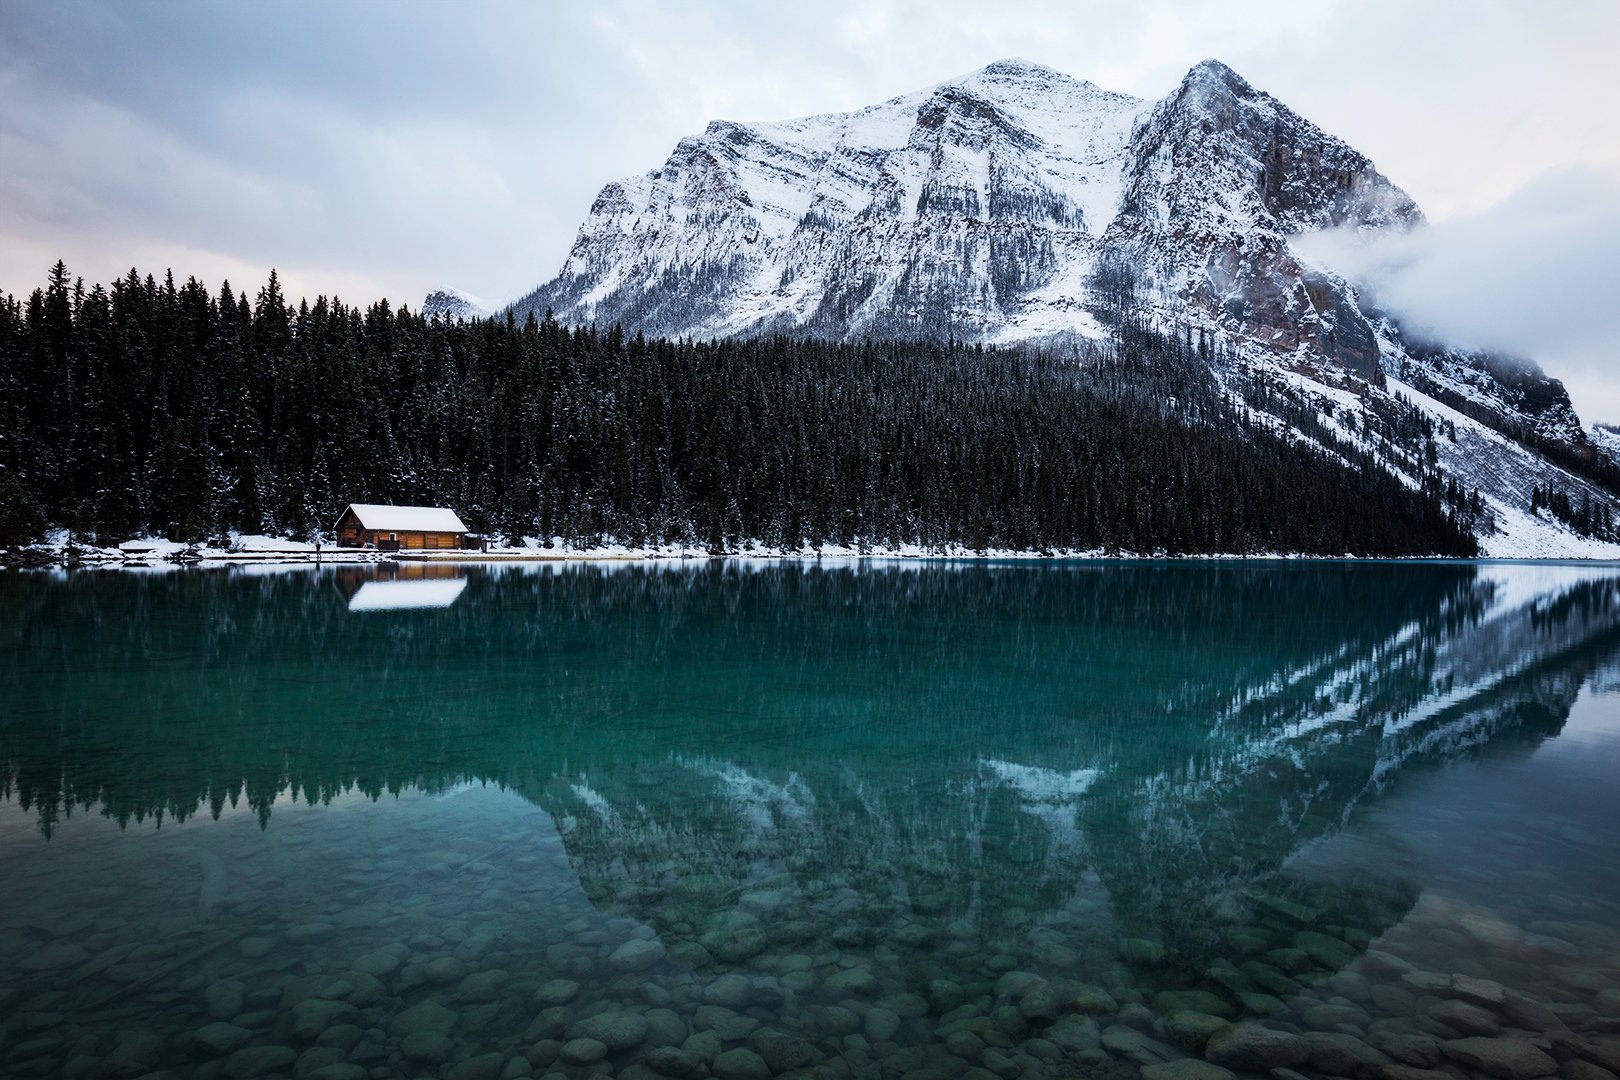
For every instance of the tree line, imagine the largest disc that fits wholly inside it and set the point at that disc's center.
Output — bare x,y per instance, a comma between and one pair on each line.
163,408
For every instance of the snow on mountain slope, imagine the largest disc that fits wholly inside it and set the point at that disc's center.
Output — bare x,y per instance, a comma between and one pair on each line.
1606,438
937,210
1504,472
1019,205
454,305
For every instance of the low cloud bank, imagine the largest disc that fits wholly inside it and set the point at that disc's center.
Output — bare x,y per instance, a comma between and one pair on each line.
1536,276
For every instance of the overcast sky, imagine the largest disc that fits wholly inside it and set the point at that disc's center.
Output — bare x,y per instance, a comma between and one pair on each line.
372,149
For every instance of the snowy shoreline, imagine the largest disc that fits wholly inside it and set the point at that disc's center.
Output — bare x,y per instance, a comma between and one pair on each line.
166,554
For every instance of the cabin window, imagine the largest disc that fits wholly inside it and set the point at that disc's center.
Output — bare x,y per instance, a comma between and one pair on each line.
393,536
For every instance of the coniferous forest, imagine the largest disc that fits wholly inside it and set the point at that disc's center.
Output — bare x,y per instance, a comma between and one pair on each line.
152,407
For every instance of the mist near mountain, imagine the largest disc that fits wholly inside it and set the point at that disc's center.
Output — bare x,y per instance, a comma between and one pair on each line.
1533,276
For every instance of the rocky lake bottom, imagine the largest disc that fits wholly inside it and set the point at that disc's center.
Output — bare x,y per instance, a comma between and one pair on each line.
927,822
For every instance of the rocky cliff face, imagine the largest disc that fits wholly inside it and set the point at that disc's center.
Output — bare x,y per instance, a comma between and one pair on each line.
1219,176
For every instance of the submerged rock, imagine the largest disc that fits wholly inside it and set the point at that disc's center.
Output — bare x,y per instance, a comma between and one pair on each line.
583,1051
220,1038
855,980
673,1061
1343,1055
636,955
741,1064
258,1060
1185,1069
1253,1048
556,992
432,1047
1465,1019
617,1030
225,999
423,1016
1510,1059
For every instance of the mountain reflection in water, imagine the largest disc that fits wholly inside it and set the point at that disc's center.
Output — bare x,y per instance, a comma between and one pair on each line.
854,782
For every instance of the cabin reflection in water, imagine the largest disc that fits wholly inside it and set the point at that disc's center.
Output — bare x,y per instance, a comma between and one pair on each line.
394,587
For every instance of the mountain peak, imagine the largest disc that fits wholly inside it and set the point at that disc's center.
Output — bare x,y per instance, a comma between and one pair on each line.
1015,73
1212,72
1017,67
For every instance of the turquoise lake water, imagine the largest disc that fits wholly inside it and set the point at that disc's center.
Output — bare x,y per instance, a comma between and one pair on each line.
923,820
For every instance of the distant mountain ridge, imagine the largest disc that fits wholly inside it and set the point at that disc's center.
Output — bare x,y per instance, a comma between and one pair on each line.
454,304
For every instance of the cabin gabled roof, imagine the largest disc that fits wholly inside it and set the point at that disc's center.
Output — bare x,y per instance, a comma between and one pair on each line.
407,518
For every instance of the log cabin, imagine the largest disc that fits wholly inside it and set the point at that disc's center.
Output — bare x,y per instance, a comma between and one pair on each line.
389,527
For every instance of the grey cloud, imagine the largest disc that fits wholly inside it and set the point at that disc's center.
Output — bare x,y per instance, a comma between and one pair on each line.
1535,276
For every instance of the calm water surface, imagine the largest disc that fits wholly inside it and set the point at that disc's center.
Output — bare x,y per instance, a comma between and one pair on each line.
932,821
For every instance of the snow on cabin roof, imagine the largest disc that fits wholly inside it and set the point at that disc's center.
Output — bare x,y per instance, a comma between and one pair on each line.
407,518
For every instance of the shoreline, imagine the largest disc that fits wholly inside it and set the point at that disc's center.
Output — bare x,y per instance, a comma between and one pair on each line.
165,555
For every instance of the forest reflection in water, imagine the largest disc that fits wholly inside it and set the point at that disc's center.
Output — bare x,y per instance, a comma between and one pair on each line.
862,818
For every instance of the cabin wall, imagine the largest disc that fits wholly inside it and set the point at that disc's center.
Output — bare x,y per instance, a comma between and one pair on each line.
354,536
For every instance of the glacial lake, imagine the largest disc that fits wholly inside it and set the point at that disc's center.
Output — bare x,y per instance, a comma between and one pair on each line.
919,820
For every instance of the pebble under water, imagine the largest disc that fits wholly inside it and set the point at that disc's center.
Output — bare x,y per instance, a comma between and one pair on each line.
932,821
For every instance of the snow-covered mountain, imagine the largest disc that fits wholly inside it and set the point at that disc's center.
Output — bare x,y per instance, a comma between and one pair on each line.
454,305
984,207
1018,204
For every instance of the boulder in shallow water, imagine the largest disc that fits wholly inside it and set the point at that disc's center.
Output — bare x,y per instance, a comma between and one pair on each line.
423,1016
1416,1051
855,980
431,1047
741,1064
445,970
1137,1047
1092,999
225,999
1170,1001
1327,1017
783,1051
881,1024
1255,1048
1408,1072
1344,1055
311,1017
732,990
1464,1018
1510,1059
343,1070
1576,1069
1141,951
1193,1029
1185,1069
636,955
257,1060
673,1061
616,1029
136,1053
220,1038
1479,991
556,992
583,1051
